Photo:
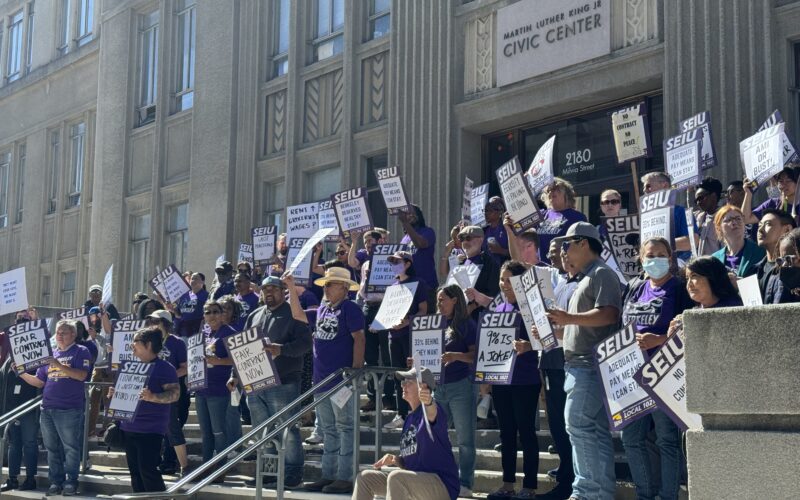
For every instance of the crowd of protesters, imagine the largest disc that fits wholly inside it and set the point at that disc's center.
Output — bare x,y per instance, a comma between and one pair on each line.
315,330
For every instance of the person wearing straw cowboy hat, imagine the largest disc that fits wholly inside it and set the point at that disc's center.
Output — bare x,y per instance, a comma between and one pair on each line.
338,343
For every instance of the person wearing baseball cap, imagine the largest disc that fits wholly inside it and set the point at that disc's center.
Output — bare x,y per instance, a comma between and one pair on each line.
95,296
592,316
495,240
486,285
426,461
224,285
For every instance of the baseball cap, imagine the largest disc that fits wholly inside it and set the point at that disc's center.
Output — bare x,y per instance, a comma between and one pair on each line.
426,375
471,231
400,255
272,281
496,203
162,314
95,288
224,267
583,229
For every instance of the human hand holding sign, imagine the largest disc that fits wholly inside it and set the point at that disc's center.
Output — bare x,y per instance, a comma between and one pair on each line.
273,349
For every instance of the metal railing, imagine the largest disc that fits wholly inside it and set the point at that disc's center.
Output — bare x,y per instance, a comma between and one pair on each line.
86,464
277,436
7,419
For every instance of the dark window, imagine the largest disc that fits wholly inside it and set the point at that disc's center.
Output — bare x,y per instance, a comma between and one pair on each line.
374,197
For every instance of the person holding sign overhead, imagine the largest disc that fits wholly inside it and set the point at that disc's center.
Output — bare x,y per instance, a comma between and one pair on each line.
189,310
659,181
786,181
62,416
421,239
143,434
740,255
496,240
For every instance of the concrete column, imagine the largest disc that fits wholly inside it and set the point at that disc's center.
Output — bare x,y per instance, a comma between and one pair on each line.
30,256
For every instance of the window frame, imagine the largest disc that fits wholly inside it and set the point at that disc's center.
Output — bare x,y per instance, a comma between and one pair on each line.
272,214
20,182
64,30
16,40
183,96
332,36
374,16
76,172
29,29
54,169
142,245
175,232
147,81
68,292
280,58
84,29
5,173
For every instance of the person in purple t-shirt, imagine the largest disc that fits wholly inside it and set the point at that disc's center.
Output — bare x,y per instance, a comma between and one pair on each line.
63,398
421,241
709,284
144,433
189,310
495,240
427,468
559,198
786,182
245,295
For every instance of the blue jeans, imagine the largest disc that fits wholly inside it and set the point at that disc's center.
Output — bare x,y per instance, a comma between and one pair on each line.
234,422
668,439
266,404
62,433
337,431
22,435
459,400
587,426
212,413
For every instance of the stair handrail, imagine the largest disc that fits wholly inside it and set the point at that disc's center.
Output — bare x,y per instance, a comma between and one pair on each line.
23,409
207,468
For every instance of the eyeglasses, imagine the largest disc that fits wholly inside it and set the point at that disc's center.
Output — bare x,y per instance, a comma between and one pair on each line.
211,313
465,237
610,202
341,252
565,244
733,220
700,198
152,321
785,261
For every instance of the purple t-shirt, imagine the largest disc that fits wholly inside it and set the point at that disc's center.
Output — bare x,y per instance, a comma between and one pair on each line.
555,224
652,308
362,255
772,203
333,339
92,346
308,299
526,368
249,304
420,296
218,375
499,234
153,418
732,261
191,309
60,391
424,258
468,334
173,351
421,454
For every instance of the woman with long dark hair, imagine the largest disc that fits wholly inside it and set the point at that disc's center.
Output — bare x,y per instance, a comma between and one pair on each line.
709,284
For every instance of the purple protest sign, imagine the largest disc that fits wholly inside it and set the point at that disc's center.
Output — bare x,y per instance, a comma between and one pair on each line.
131,379
264,241
196,368
496,356
29,343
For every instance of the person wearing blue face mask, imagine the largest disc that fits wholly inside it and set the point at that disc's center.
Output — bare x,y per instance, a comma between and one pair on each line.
650,303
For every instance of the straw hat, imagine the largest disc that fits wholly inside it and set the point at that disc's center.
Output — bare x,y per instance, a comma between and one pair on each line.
339,274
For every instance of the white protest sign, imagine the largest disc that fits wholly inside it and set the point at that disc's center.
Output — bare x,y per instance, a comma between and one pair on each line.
762,154
465,276
300,254
623,239
520,203
540,172
352,211
702,121
427,342
454,259
170,284
14,291
494,363
381,274
132,378
750,291
78,314
664,379
539,297
196,369
789,151
30,345
122,341
108,286
477,202
341,397
395,306
219,260
682,157
629,127
656,210
618,358
690,227
524,309
253,364
301,220
394,194
466,207
245,253
327,219
418,366
264,243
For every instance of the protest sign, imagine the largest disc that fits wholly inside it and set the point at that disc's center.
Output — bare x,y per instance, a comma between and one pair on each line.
29,343
608,257
622,236
301,221
301,252
702,121
418,370
495,357
682,155
170,284
427,342
750,291
327,219
245,253
540,172
789,150
131,379
524,308
381,275
122,341
108,286
253,364
532,287
656,211
395,305
352,211
466,207
520,203
196,368
455,258
465,276
394,194
14,291
496,302
478,199
219,260
265,240
663,377
762,154
617,359
690,225
79,314
631,137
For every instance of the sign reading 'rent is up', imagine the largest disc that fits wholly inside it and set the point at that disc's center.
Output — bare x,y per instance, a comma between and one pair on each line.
539,36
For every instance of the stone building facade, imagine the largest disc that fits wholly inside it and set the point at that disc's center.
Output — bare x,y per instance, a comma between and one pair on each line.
141,133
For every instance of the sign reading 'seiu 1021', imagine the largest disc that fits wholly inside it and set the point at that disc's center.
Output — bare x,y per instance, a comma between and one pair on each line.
539,36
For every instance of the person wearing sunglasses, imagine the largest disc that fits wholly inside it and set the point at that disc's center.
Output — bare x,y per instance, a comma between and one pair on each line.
486,285
740,255
559,198
610,203
706,201
773,226
495,239
784,281
592,316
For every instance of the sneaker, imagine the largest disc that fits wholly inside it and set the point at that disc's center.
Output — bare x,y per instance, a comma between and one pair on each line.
314,439
396,423
339,486
524,494
70,490
501,494
369,405
29,484
498,447
484,406
11,484
465,492
317,485
53,490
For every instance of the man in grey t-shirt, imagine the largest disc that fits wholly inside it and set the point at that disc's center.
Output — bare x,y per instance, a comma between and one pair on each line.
593,314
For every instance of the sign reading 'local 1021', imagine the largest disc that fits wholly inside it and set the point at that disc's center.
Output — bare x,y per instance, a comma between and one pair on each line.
539,36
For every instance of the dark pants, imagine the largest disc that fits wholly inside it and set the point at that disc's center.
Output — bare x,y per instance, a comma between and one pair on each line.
178,415
556,398
22,434
515,406
400,349
376,352
142,452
